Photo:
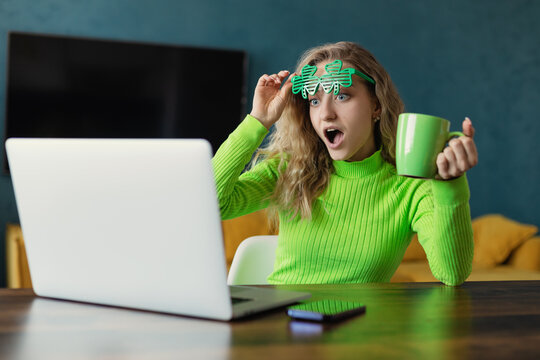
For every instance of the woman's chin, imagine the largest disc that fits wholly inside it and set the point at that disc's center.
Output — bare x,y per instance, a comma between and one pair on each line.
337,155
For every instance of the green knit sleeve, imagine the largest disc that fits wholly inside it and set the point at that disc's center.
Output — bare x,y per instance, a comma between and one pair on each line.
441,217
242,193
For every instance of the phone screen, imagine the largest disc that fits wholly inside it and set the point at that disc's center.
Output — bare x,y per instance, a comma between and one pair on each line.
326,310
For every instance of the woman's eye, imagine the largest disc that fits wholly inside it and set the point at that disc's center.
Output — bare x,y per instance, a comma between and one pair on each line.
342,97
314,102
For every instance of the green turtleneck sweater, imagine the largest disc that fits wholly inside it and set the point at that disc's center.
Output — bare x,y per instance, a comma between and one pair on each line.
360,226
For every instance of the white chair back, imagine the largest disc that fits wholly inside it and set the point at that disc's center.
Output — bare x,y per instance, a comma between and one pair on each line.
253,261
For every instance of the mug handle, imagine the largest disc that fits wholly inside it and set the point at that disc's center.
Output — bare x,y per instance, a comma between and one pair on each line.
454,134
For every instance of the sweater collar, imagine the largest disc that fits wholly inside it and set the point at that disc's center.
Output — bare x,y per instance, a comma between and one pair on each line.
356,169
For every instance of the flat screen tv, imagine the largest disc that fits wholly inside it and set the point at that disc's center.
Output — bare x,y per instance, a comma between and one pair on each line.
59,86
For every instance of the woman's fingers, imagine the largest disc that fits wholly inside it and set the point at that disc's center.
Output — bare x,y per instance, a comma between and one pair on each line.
470,150
460,155
468,128
273,79
269,98
452,169
442,166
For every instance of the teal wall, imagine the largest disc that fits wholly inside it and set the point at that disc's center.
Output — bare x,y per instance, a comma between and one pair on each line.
454,59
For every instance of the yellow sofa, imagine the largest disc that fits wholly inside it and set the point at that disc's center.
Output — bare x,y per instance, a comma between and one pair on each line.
18,274
504,250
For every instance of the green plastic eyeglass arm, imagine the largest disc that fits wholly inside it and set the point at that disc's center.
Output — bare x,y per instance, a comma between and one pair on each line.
361,74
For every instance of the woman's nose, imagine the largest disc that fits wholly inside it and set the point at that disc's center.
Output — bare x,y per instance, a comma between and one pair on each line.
327,111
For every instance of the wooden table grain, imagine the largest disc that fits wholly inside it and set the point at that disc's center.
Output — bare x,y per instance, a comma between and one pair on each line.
478,320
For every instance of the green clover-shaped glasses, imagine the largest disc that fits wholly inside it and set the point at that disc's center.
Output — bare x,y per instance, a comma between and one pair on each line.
335,77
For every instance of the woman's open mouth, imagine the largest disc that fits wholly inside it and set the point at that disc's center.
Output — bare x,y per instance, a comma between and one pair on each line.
334,137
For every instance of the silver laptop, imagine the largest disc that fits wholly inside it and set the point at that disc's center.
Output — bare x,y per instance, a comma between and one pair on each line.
128,222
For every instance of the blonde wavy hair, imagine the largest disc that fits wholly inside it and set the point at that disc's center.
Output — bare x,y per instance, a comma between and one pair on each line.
304,162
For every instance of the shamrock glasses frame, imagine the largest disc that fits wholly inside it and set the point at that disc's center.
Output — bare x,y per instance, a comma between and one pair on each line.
308,83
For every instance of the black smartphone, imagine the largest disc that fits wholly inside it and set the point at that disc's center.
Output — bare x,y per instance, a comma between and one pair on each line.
328,310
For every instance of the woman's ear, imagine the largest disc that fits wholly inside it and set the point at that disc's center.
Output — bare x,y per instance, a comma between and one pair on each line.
376,107
376,111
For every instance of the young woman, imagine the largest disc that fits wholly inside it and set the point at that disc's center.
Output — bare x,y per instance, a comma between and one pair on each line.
345,216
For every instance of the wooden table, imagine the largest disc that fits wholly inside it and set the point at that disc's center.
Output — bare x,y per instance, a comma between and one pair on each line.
487,320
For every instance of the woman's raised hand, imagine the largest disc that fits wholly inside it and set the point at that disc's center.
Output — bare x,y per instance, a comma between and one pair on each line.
460,155
270,97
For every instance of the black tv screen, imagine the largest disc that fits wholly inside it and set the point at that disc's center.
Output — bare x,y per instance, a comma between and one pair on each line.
60,86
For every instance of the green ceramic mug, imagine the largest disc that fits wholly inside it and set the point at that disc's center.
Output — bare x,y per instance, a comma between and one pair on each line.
420,138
